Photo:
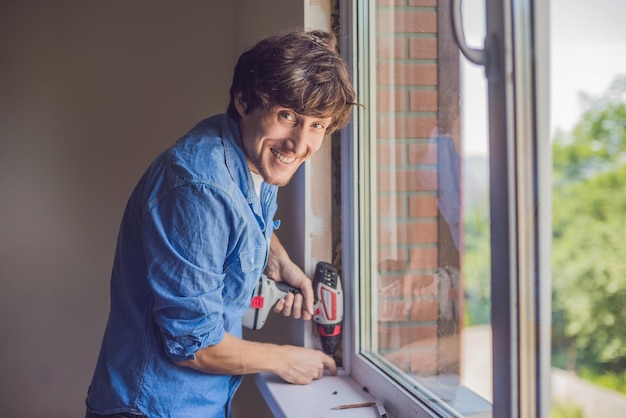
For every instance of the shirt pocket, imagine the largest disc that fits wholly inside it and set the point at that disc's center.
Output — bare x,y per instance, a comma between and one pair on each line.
252,259
243,276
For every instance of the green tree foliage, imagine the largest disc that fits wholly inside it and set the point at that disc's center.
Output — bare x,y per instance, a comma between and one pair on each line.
589,247
566,411
597,145
476,266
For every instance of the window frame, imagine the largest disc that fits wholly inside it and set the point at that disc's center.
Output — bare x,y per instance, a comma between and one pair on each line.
520,170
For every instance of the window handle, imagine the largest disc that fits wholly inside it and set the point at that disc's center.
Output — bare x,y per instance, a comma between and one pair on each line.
490,55
477,56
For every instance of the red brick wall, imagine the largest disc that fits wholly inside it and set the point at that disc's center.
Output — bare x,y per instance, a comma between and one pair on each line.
413,238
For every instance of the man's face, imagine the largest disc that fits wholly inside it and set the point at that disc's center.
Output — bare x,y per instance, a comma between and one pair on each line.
278,140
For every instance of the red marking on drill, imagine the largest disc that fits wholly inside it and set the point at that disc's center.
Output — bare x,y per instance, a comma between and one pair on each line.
335,331
257,302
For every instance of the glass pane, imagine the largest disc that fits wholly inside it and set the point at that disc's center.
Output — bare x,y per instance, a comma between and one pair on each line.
430,300
589,207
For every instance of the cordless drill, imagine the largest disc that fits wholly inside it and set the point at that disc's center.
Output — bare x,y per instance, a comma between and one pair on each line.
328,306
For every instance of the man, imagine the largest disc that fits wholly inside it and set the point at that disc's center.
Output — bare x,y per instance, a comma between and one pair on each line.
198,232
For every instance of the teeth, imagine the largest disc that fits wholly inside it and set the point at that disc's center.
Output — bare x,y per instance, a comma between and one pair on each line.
282,158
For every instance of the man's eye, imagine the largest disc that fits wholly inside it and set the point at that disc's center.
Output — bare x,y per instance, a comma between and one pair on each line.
318,125
286,115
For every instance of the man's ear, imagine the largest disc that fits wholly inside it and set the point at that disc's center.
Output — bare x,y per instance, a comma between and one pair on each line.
240,104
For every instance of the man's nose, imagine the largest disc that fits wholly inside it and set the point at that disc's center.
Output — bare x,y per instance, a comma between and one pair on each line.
299,139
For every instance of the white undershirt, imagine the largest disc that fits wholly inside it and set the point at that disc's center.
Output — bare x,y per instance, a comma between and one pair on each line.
257,179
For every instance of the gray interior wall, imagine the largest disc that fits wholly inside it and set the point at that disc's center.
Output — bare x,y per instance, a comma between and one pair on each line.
90,92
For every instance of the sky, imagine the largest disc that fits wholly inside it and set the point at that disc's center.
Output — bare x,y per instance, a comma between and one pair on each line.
587,48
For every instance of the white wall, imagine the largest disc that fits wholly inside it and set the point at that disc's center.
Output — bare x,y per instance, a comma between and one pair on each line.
90,92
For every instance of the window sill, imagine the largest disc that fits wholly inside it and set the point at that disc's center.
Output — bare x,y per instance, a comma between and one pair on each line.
316,399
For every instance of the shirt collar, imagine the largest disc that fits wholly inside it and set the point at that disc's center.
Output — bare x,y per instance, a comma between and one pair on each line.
236,160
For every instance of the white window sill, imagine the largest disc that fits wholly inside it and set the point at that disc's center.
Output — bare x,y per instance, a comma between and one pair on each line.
316,399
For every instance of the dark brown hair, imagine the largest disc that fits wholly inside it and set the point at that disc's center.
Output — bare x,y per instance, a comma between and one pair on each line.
299,70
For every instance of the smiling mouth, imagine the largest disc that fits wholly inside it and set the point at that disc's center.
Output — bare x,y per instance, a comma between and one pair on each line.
282,157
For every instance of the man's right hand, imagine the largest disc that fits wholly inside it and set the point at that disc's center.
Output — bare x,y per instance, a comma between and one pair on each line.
303,365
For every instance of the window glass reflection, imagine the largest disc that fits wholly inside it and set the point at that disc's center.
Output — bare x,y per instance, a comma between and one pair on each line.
430,309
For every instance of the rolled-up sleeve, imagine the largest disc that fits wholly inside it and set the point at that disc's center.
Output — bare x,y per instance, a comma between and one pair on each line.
186,236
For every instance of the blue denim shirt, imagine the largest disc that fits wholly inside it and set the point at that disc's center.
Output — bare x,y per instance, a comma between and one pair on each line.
193,242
